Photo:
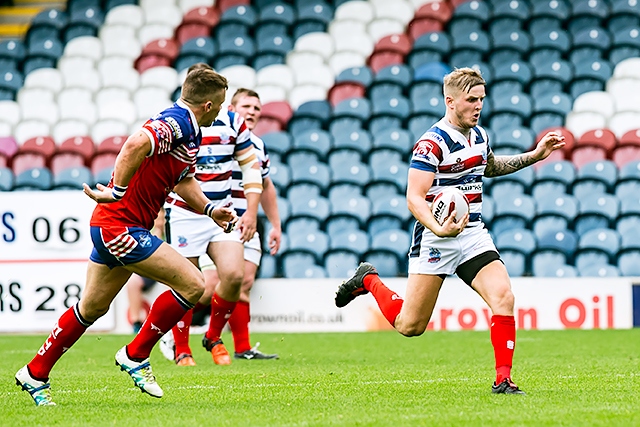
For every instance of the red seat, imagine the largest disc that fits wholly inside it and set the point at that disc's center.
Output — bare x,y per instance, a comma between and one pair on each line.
82,145
630,138
625,154
440,11
341,91
162,47
226,4
399,43
44,145
584,154
569,139
112,144
27,160
266,125
102,161
8,146
553,157
62,161
144,62
278,110
4,161
379,60
456,3
603,138
420,26
190,31
209,16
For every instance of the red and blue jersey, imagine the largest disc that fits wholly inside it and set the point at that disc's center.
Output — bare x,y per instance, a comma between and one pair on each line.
456,161
175,138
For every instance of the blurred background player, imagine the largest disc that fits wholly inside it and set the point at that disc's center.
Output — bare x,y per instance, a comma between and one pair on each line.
138,285
245,102
454,152
157,158
225,142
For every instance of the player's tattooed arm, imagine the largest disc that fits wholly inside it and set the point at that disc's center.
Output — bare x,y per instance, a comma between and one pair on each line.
504,165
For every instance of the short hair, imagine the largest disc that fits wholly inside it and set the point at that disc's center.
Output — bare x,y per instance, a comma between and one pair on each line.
201,84
199,66
243,92
462,80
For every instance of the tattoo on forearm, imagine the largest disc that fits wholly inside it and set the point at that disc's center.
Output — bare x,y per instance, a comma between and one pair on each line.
504,165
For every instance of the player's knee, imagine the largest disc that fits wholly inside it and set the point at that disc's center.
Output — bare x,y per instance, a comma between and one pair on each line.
411,329
195,289
503,300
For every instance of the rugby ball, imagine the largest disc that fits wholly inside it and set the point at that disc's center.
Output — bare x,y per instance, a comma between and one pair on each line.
448,200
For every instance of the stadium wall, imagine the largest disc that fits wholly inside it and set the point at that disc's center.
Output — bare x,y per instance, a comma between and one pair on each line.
44,250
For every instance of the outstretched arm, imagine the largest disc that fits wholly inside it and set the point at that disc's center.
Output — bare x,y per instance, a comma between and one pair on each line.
504,165
189,189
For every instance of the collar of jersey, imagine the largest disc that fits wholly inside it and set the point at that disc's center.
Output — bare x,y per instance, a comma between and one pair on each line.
180,103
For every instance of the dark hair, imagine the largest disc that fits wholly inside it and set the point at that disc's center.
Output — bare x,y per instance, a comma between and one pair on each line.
201,84
199,66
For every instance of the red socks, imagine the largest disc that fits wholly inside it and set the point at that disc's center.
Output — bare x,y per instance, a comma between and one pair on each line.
181,333
239,323
220,312
389,302
165,312
503,339
65,333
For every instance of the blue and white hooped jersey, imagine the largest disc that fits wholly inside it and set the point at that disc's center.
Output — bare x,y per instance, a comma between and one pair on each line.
237,191
456,161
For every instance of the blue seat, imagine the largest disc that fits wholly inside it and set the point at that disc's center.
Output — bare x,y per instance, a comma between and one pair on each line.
623,14
556,103
382,157
297,157
511,40
629,263
315,173
344,158
391,205
626,44
278,12
280,174
349,240
386,263
432,72
599,270
590,75
488,210
42,32
471,14
313,16
110,4
73,178
627,188
12,53
515,183
548,14
356,173
338,224
103,176
301,265
234,50
315,141
49,48
518,137
302,190
394,173
419,124
429,47
355,206
394,241
510,110
596,211
551,270
277,142
268,267
395,139
51,18
313,241
629,206
629,241
563,243
549,44
200,46
309,115
550,76
358,140
380,190
553,178
11,81
512,211
397,74
242,14
340,264
362,75
587,13
302,224
598,246
88,15
590,43
509,15
274,45
432,105
516,246
595,178
6,179
357,108
34,179
471,41
316,207
516,71
338,192
264,60
554,213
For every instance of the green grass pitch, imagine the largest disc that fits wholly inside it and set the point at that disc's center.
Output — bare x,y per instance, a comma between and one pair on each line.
582,378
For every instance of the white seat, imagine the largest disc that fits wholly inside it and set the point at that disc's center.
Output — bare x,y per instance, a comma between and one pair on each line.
150,4
66,129
70,64
116,31
163,14
625,92
303,60
276,74
73,95
137,125
188,5
107,128
381,27
10,112
165,77
151,32
597,102
340,61
416,4
88,46
118,40
621,123
111,94
88,79
181,76
5,129
240,76
49,78
320,43
354,42
301,94
122,110
271,93
83,111
629,67
319,75
44,111
27,129
29,96
118,72
399,10
579,123
356,10
341,31
150,100
127,14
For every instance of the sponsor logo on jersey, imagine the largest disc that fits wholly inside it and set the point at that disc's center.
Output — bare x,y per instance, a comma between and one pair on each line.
175,126
457,166
182,242
434,256
476,187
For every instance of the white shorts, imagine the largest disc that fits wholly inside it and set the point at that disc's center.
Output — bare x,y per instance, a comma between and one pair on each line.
252,253
190,233
435,255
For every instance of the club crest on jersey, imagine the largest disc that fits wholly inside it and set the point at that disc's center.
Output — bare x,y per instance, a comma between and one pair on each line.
225,138
145,241
423,148
434,256
182,242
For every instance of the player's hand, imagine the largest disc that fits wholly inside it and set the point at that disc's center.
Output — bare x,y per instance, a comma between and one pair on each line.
225,216
247,226
451,228
549,143
275,235
104,194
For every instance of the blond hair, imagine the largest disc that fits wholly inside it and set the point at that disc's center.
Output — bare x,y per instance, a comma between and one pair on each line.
201,84
243,92
462,80
199,66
